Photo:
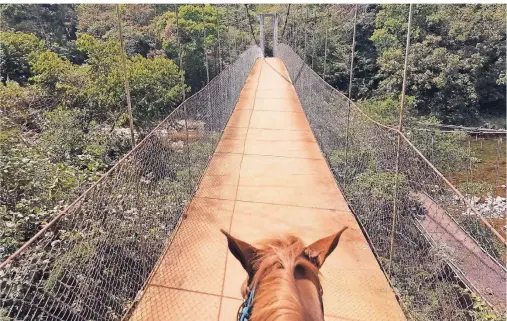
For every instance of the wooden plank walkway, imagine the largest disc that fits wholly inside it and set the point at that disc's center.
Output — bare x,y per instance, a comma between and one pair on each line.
266,177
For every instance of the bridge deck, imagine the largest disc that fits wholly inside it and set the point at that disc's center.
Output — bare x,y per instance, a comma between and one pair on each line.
266,177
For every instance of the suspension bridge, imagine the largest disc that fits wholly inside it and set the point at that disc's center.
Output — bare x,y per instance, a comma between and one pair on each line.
267,177
266,147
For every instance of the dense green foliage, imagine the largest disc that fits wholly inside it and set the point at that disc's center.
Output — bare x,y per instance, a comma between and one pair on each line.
457,58
17,48
55,121
101,22
456,64
53,23
64,118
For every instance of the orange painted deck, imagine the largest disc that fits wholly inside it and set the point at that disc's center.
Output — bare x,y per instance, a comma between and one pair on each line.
266,177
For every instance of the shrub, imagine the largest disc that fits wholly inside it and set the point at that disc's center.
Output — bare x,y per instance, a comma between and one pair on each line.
16,50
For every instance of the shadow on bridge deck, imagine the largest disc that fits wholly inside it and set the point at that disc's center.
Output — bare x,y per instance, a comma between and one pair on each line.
266,177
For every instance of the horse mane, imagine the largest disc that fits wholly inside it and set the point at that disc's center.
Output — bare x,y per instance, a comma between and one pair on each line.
277,298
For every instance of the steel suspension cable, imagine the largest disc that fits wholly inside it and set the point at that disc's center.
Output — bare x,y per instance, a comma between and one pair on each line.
325,46
250,23
286,18
350,85
183,96
295,38
206,64
205,49
313,37
125,74
219,49
306,34
182,78
398,144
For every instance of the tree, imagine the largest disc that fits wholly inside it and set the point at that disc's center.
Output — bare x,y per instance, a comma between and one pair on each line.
101,21
155,83
365,56
307,26
65,81
193,23
16,50
53,23
455,57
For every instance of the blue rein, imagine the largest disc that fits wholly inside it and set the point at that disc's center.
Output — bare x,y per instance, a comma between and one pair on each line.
246,312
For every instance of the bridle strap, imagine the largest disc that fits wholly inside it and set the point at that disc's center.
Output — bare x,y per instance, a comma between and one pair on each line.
245,310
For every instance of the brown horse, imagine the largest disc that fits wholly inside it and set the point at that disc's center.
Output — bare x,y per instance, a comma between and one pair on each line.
285,274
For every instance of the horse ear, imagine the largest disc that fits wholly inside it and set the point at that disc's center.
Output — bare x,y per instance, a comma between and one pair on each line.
243,252
318,251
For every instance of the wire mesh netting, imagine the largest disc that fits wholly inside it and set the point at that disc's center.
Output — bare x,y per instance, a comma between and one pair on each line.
443,256
92,260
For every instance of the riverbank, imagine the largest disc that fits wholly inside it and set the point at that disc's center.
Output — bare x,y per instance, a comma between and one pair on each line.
489,170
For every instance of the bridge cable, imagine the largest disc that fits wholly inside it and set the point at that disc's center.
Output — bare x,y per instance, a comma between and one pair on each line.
217,24
250,23
183,97
295,38
294,35
206,64
325,45
400,131
125,74
306,35
229,43
350,84
205,49
236,52
286,18
313,36
182,79
498,149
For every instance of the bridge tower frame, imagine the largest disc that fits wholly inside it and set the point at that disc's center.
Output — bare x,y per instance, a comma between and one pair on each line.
274,17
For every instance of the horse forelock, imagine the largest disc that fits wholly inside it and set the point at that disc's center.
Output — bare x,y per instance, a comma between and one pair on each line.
277,295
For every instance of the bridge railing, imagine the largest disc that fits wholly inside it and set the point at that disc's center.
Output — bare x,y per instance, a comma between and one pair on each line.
91,261
433,246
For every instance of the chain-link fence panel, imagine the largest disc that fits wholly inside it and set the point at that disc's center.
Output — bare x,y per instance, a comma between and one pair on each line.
91,261
440,254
